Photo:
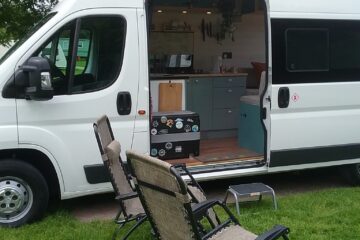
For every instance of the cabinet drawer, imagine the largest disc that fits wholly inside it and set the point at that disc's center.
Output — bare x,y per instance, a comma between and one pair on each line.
199,99
230,82
225,118
227,97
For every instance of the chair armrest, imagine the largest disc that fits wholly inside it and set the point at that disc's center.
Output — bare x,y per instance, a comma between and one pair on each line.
126,196
201,208
275,233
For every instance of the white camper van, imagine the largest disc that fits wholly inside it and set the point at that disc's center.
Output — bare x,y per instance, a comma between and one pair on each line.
302,58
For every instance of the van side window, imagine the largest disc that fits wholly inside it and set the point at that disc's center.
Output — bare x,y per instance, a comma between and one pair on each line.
56,50
99,54
315,51
83,52
307,50
93,62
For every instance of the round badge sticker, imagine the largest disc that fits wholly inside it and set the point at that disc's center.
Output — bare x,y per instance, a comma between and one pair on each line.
187,128
155,124
195,128
154,152
153,131
163,119
168,146
162,152
179,125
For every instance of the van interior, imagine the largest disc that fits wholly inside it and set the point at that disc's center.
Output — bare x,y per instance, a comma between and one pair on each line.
209,57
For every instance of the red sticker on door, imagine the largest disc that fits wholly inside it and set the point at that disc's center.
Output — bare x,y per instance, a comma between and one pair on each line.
295,97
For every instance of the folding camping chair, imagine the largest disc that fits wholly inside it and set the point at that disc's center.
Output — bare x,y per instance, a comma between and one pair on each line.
130,207
167,203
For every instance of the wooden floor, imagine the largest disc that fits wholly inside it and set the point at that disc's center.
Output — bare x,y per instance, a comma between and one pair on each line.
219,150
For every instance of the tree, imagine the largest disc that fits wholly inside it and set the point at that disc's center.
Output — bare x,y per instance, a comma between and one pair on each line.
18,16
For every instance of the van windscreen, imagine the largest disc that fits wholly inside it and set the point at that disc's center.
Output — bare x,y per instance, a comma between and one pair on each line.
27,36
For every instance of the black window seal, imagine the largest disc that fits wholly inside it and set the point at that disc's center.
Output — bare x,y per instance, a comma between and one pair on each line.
74,50
90,46
70,61
121,62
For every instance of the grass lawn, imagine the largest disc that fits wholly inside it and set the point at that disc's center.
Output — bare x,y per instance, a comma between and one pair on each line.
331,214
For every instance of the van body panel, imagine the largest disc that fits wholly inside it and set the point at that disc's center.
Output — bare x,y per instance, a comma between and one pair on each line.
54,162
298,167
231,173
320,117
311,7
8,124
321,123
63,125
78,5
142,121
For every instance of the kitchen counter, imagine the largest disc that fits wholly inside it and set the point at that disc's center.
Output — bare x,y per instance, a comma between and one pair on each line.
201,75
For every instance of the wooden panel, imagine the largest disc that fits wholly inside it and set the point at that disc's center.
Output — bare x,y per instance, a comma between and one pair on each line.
170,97
216,148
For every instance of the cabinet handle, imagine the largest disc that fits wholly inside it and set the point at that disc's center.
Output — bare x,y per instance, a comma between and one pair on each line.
230,111
230,80
229,90
196,81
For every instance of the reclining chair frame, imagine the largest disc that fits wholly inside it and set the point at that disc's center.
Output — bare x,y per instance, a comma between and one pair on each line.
198,211
120,198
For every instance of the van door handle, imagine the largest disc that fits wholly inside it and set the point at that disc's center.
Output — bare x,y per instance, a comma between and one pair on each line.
123,103
284,97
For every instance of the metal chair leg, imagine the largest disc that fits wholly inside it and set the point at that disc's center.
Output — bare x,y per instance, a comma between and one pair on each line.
138,223
116,232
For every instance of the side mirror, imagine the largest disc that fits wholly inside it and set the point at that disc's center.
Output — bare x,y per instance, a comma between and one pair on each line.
39,87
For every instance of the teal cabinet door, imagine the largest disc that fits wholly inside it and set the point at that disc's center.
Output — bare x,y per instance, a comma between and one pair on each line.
199,99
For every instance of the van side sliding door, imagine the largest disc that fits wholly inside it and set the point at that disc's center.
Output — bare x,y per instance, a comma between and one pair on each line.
315,112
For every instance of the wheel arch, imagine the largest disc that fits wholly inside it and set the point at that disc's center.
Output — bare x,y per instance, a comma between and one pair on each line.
42,161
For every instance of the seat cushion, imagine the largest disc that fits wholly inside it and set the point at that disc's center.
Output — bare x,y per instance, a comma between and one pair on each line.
251,91
234,232
259,67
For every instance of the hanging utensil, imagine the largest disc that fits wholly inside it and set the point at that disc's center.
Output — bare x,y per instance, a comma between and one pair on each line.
203,29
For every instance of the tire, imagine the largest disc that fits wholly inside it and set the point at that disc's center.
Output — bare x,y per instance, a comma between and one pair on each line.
352,174
24,193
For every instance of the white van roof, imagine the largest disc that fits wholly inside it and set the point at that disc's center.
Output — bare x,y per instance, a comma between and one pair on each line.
314,8
76,5
278,8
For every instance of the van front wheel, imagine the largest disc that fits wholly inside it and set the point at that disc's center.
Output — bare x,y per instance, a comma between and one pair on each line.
24,194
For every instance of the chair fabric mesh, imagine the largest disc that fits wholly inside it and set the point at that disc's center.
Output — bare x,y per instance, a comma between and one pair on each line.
233,232
104,131
167,212
200,197
122,185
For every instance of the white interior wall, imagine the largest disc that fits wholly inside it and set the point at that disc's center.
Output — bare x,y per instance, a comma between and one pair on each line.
249,42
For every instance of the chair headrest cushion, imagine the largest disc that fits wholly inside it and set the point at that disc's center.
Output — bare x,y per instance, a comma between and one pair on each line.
113,150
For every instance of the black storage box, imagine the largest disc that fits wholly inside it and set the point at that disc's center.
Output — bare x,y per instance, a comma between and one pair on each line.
175,135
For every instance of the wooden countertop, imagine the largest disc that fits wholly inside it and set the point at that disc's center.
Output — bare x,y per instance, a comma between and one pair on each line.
187,76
